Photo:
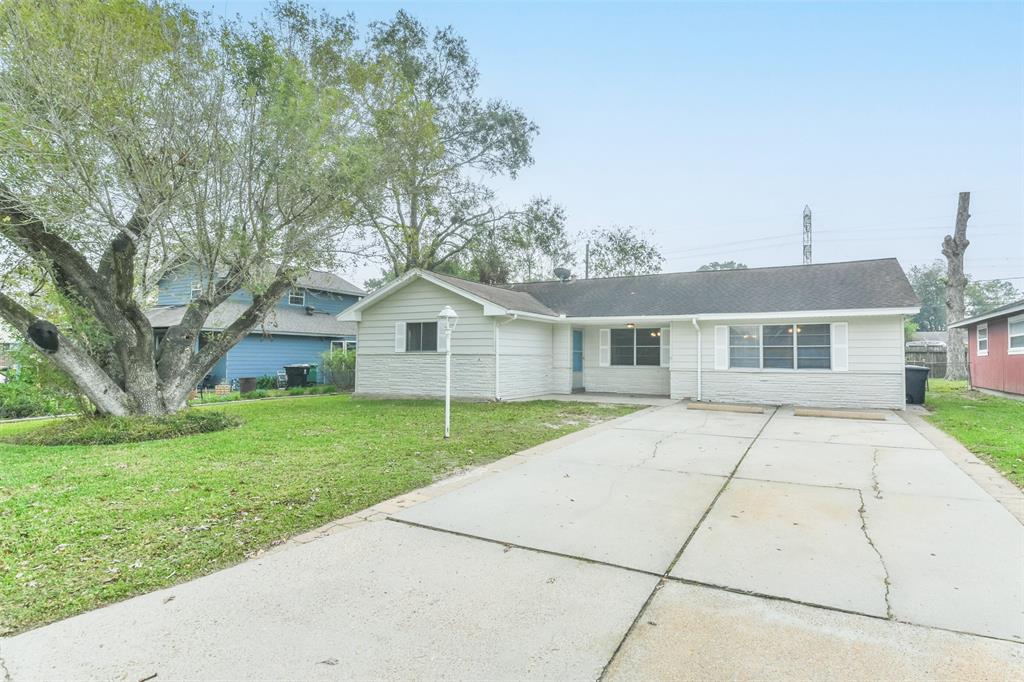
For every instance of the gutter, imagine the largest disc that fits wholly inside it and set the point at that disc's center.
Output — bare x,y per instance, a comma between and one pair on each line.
497,353
693,321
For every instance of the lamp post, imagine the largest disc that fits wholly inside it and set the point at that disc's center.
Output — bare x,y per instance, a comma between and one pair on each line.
449,318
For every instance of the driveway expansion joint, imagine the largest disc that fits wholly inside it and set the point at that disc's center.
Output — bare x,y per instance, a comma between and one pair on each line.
666,575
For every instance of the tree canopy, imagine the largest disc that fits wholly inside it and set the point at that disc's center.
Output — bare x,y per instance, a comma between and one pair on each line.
138,137
726,265
618,251
929,283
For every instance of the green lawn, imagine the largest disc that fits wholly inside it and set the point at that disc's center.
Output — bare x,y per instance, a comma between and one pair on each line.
83,526
989,426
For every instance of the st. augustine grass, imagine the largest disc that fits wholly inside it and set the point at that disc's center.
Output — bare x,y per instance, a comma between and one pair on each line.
987,425
83,526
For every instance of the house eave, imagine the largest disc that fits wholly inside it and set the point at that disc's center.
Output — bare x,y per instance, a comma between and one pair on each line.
987,316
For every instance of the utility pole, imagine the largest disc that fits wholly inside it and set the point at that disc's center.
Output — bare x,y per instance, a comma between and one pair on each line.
807,234
586,260
953,248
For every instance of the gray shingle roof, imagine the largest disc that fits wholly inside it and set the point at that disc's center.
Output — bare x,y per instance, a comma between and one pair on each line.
279,321
825,286
503,296
328,281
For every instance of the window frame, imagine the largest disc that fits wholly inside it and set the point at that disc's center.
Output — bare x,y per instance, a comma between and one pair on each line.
421,349
1010,321
656,334
978,350
195,290
291,295
795,347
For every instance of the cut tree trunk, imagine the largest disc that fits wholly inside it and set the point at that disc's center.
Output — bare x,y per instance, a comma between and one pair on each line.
953,248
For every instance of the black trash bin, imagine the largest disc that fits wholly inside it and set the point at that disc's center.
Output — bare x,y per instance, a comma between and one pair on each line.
917,380
247,384
297,375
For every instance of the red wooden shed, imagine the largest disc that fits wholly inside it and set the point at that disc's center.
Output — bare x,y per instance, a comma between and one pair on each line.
996,349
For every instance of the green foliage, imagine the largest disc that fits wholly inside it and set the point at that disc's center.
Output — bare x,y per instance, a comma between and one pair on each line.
115,430
37,388
150,515
267,382
726,265
255,395
909,329
929,282
619,251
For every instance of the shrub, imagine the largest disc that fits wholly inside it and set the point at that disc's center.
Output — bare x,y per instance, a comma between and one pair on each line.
255,395
114,430
338,366
266,382
20,399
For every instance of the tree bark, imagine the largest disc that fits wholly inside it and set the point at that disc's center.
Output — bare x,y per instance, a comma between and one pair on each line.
953,248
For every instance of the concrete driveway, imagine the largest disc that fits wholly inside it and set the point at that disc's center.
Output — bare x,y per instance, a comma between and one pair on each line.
670,544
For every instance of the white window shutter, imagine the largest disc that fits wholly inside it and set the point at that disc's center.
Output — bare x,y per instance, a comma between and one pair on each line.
721,346
666,348
440,338
840,346
604,356
399,337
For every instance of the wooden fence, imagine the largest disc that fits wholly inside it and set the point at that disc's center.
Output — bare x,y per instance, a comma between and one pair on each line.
932,357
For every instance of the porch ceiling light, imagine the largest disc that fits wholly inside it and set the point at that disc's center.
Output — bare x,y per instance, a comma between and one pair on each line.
631,325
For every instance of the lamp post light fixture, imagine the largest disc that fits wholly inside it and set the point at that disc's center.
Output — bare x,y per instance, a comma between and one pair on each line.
449,318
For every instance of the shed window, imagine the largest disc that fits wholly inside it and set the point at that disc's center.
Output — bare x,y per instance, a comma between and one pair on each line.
780,346
982,339
1016,330
196,290
420,336
636,347
297,297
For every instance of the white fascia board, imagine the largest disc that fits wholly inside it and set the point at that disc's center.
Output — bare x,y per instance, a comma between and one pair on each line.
780,315
353,313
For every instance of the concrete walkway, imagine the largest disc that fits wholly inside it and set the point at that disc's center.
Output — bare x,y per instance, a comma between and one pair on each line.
670,544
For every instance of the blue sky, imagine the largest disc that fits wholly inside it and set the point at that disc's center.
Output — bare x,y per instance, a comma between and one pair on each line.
711,125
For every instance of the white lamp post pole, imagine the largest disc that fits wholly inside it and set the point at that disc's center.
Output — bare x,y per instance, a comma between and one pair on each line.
449,318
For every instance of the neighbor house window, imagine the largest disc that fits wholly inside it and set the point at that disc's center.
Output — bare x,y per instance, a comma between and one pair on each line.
196,290
1016,330
297,297
341,344
983,339
780,346
421,336
636,347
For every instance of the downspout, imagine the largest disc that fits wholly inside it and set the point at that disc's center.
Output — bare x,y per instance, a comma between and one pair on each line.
696,326
497,355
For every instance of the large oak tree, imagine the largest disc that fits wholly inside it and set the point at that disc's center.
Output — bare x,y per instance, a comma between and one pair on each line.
136,136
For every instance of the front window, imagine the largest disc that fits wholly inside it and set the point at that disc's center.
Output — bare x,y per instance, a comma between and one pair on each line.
421,336
636,347
780,346
1016,329
297,297
983,339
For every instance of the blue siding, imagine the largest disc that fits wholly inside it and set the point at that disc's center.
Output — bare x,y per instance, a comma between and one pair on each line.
257,355
175,288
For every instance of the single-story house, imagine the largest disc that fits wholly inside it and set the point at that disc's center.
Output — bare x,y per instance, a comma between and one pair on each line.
995,348
299,329
827,335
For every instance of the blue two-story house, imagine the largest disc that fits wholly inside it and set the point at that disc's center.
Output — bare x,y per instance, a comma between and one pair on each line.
299,329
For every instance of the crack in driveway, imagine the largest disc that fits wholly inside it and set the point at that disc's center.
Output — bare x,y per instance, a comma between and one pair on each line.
881,560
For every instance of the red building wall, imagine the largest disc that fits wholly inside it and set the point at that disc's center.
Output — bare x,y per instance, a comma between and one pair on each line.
998,371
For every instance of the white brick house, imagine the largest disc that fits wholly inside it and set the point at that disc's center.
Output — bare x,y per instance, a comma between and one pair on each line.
828,335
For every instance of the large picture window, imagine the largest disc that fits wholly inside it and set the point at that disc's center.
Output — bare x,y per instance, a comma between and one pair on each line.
420,336
636,347
780,346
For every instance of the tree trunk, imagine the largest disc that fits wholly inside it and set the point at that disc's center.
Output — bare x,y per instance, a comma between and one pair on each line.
953,248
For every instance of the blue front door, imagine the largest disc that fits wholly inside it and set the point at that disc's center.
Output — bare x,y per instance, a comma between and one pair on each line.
577,359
